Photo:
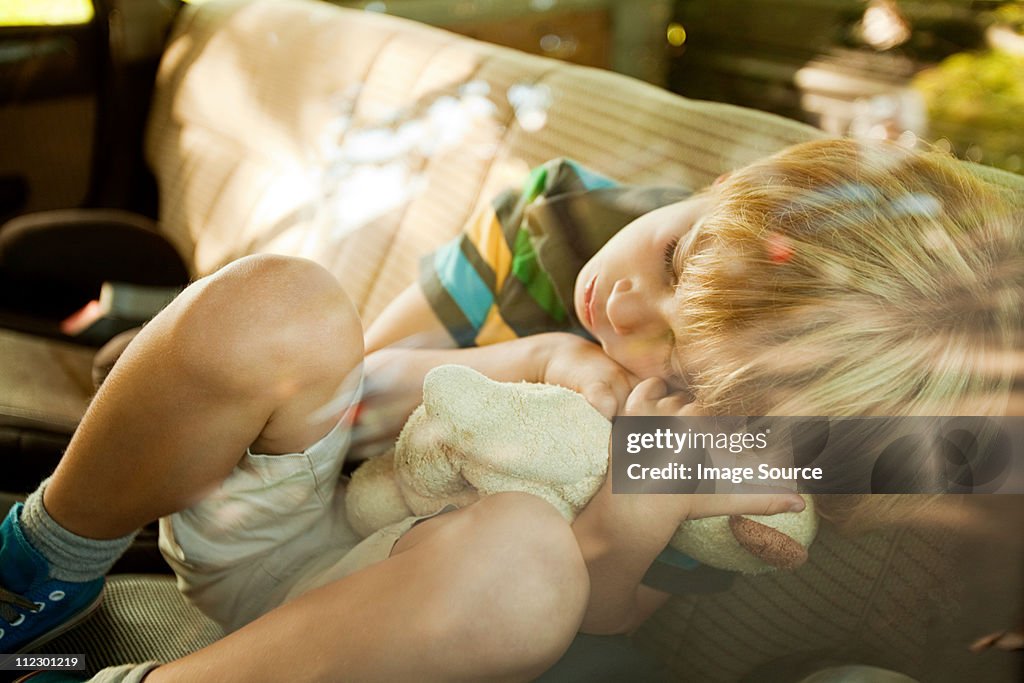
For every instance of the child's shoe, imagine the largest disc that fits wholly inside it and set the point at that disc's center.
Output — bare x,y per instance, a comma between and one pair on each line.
34,607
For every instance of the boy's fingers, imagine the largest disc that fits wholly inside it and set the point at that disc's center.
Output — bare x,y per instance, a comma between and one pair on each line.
652,397
1003,640
603,398
713,505
651,389
642,399
673,404
621,385
985,642
1011,640
692,409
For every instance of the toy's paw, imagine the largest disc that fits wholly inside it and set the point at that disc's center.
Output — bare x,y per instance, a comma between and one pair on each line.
372,498
473,434
767,544
751,544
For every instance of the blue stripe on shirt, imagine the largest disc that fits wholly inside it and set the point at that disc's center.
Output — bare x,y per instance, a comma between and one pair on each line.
465,286
591,179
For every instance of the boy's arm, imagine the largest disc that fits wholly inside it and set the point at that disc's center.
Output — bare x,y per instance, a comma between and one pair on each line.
408,320
408,340
620,535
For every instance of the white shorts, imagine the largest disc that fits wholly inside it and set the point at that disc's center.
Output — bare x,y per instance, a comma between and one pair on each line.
274,529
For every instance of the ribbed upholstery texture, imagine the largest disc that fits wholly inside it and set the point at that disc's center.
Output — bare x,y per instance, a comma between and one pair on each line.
142,618
258,104
909,598
869,599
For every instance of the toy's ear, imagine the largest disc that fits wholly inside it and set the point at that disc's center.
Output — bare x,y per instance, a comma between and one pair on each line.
769,545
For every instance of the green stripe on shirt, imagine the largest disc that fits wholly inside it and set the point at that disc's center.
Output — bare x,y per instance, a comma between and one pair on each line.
537,282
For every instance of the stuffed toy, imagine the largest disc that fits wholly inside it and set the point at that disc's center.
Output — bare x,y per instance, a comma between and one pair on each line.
473,437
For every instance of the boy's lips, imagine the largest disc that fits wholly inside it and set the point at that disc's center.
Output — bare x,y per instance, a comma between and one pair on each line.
588,302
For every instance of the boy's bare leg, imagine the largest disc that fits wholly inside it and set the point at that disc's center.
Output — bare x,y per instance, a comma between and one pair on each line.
495,591
241,358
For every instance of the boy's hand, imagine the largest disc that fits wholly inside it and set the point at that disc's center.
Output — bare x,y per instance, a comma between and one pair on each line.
575,363
658,515
1000,640
621,534
651,397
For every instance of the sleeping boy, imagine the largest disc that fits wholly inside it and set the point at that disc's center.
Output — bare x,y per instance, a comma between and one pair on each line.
831,279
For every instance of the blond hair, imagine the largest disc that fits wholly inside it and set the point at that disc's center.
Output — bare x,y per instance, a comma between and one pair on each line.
844,277
848,278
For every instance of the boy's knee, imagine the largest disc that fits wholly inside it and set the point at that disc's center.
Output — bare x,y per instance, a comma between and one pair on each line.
536,526
524,587
527,529
266,313
269,290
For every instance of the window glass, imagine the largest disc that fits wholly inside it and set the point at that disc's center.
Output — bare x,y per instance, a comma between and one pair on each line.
948,73
45,12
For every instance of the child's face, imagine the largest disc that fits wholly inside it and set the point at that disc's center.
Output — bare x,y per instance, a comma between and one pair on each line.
625,294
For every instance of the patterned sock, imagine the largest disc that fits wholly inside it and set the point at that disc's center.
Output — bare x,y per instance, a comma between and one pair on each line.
72,557
126,673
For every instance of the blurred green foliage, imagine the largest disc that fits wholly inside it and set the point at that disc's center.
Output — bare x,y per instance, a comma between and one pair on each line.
1011,15
976,101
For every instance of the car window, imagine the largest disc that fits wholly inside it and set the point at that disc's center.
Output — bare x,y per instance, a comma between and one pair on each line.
45,12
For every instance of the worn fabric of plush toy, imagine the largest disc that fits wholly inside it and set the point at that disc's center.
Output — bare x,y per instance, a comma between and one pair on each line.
473,437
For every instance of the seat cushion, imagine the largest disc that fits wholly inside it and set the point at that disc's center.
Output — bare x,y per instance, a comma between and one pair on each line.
142,618
45,387
901,597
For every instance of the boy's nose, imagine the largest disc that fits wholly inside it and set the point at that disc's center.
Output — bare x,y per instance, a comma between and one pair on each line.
628,309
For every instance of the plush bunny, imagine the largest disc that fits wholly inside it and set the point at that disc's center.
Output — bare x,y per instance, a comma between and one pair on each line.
473,436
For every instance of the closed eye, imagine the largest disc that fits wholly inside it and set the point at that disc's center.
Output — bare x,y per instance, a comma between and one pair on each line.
670,259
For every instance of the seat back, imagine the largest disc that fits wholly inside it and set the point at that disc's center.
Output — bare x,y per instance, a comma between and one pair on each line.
362,140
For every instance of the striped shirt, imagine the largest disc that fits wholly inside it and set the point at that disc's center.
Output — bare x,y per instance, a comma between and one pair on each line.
511,272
